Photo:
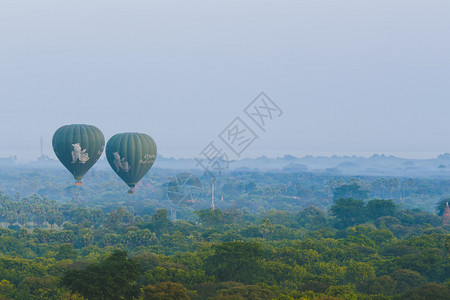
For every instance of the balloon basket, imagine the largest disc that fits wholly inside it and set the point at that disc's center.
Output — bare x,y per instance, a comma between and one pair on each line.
78,183
131,191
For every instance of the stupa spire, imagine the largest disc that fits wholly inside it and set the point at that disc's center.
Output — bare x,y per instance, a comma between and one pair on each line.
446,215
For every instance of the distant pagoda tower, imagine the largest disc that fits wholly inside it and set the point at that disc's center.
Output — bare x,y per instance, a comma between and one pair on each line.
446,215
213,207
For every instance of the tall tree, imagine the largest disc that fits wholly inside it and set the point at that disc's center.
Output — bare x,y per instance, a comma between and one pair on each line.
113,278
165,291
236,261
380,208
352,190
348,212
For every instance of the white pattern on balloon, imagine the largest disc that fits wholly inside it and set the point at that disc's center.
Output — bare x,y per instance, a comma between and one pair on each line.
78,154
120,163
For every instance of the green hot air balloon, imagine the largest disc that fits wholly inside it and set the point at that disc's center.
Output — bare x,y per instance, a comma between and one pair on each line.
78,147
131,155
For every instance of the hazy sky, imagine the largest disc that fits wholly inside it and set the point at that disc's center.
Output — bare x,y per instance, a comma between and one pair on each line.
352,77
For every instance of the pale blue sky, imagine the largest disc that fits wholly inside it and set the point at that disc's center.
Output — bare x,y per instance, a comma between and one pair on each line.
353,77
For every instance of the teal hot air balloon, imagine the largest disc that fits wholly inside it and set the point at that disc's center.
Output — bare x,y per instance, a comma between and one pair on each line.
78,147
131,155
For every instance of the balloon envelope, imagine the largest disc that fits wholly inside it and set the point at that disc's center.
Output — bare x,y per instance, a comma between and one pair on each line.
131,155
78,147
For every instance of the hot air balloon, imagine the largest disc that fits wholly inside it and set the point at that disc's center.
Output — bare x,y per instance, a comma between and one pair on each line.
131,155
78,147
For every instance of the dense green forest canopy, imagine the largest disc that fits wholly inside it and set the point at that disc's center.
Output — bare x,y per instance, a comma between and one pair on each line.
274,236
253,191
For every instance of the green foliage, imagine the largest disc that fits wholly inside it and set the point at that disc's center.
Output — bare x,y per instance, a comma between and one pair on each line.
343,291
352,190
428,291
165,291
236,261
312,218
12,246
66,251
381,208
245,292
359,271
38,288
15,269
159,223
270,245
7,289
348,212
383,285
112,278
407,279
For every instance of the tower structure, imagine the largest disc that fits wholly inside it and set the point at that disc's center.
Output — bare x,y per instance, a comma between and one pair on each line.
446,215
173,214
212,194
43,156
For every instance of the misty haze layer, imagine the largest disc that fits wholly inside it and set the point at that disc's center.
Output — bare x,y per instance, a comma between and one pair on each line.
351,76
